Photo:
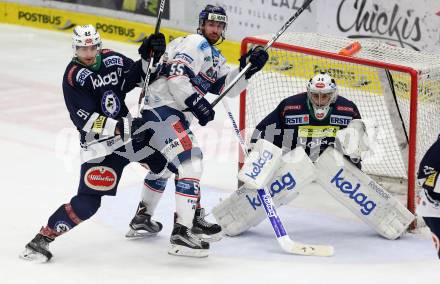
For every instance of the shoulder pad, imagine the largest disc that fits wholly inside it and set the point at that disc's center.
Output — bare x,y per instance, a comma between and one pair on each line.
199,41
82,75
295,103
345,108
113,59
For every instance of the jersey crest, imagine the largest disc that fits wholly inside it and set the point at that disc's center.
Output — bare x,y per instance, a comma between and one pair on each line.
110,104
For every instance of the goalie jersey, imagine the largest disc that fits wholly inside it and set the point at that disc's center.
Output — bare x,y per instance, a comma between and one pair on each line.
293,124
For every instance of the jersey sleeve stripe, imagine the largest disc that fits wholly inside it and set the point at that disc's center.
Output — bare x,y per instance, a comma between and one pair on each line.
89,124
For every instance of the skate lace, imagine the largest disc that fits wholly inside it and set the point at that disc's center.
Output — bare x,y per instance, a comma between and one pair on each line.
202,222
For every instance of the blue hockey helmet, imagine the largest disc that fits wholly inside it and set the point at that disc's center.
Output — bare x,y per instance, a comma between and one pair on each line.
213,13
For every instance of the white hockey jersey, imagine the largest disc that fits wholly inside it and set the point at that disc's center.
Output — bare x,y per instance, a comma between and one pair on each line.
189,65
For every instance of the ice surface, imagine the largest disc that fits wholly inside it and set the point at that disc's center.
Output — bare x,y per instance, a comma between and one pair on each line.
39,172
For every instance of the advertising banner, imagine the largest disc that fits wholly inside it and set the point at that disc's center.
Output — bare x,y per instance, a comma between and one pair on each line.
109,28
402,23
144,7
397,22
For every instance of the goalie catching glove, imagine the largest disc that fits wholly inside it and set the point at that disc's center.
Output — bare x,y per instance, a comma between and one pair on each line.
356,139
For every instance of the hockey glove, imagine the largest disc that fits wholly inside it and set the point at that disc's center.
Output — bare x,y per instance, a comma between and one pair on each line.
201,108
132,128
154,43
257,57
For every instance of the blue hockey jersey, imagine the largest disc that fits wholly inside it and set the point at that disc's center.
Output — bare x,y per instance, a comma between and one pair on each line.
95,96
293,124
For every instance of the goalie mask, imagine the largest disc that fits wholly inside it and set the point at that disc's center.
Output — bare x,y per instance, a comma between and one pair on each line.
321,93
215,14
83,37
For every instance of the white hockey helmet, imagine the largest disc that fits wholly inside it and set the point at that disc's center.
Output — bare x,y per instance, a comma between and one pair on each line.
85,36
321,92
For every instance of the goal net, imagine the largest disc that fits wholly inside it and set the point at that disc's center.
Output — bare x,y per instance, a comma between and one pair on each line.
398,89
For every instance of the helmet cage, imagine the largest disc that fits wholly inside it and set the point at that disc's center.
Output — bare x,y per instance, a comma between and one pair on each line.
321,84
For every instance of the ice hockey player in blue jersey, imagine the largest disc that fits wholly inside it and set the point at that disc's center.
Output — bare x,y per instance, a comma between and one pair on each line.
428,197
303,129
95,84
310,119
192,69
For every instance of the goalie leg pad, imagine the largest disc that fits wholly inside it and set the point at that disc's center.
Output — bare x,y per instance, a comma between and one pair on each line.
362,195
261,164
243,209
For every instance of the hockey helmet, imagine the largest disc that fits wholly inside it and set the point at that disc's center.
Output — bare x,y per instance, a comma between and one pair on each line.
321,93
85,36
213,13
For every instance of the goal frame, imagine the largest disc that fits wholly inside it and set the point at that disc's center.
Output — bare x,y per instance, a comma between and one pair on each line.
412,135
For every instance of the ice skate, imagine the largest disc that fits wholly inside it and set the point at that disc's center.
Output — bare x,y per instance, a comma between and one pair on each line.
184,243
141,225
38,249
208,232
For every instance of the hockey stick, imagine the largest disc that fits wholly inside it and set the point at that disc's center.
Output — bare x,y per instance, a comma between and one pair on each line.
269,44
150,63
286,243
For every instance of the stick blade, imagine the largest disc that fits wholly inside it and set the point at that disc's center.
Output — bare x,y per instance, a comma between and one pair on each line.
293,247
312,250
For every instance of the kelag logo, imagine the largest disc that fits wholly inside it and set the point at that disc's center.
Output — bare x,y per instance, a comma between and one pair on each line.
394,25
259,165
353,192
286,182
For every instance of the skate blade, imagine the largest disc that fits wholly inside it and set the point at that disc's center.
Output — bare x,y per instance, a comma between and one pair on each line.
185,251
33,256
133,234
210,238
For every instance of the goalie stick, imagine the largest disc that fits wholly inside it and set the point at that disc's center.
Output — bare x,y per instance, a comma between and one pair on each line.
286,243
150,63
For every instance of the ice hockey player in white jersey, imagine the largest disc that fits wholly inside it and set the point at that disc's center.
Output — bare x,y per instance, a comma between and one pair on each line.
428,197
191,68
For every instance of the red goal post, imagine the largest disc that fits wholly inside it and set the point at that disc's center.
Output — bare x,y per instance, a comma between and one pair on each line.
397,88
